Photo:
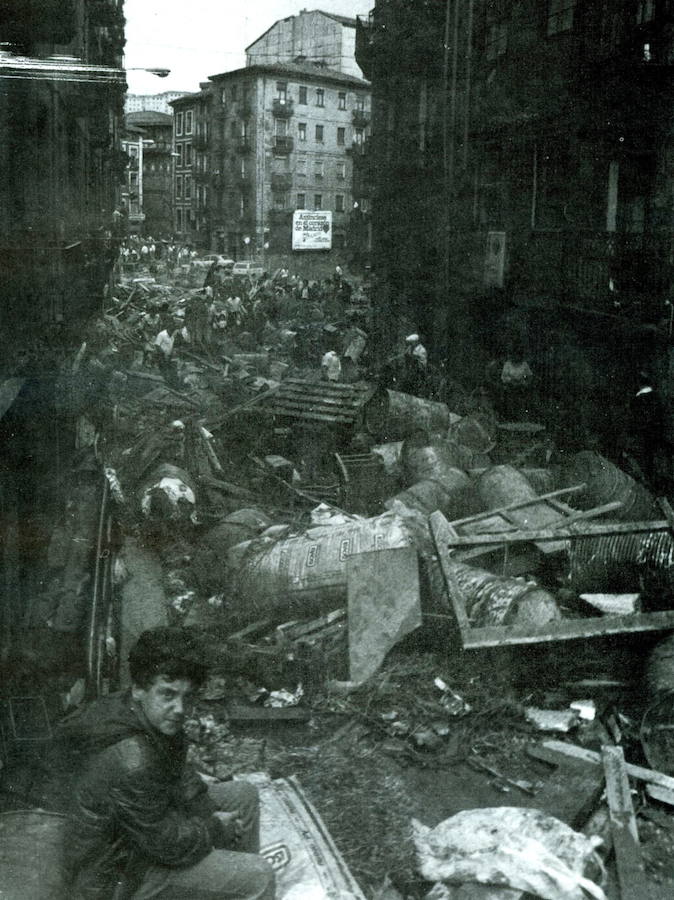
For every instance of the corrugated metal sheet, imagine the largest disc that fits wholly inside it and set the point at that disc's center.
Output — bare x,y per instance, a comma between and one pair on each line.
319,402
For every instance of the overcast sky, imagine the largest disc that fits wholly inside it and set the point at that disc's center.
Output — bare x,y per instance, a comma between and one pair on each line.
198,38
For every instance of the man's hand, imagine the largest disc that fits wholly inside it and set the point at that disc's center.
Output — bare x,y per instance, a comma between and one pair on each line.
231,826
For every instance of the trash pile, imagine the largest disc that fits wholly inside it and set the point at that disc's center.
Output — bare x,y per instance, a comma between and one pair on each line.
309,516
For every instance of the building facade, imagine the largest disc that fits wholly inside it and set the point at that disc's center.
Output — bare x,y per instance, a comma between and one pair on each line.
148,142
311,35
283,137
151,102
522,164
60,158
193,173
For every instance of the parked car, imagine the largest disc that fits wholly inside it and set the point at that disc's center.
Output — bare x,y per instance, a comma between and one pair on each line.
205,262
252,269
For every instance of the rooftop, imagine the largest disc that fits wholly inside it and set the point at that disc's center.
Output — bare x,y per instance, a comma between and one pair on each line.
343,20
305,70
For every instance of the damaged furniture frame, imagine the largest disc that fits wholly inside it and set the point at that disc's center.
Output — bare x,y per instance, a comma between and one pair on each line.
447,540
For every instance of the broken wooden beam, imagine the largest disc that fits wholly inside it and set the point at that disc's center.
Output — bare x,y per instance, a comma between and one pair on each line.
551,751
629,861
607,529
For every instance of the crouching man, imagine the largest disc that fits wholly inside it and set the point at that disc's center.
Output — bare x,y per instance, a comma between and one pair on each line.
143,825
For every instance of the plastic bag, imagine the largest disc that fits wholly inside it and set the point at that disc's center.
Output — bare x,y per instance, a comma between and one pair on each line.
508,846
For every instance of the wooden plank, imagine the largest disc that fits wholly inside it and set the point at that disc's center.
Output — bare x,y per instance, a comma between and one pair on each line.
441,531
662,794
629,862
520,504
591,513
650,776
590,530
567,630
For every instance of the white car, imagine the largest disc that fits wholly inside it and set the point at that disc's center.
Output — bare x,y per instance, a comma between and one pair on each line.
252,269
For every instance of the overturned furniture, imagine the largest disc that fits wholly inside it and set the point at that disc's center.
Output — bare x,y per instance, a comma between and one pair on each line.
447,541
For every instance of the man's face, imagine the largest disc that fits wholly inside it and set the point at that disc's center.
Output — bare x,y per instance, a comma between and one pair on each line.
166,703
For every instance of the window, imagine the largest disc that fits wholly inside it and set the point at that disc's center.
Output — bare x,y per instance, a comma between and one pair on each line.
301,201
341,136
360,103
235,92
365,206
560,15
341,100
242,170
223,97
320,97
188,121
339,202
179,220
318,201
303,95
187,190
645,11
179,187
281,127
179,123
359,137
302,131
180,148
497,40
319,133
280,200
282,91
301,166
318,170
340,171
188,154
232,128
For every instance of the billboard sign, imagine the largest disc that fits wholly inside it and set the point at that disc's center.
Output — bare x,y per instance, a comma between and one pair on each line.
312,230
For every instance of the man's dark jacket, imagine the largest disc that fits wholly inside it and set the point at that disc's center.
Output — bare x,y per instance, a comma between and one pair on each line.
134,802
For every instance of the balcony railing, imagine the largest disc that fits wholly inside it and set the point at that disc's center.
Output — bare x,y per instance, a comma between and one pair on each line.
361,118
283,144
282,109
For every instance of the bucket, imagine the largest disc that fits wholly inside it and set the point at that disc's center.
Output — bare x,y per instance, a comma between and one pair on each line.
452,494
31,855
305,574
425,457
504,485
607,483
495,600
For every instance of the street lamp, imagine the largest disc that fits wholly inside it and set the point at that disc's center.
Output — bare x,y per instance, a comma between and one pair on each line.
160,73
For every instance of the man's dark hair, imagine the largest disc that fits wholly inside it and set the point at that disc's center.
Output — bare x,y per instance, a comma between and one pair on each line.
169,651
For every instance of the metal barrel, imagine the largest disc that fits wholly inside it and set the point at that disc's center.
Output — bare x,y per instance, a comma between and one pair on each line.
397,416
496,600
452,493
306,573
504,485
606,483
614,562
426,457
32,861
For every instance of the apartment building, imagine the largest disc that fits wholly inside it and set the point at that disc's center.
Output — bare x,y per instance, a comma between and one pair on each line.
148,142
283,137
192,172
151,102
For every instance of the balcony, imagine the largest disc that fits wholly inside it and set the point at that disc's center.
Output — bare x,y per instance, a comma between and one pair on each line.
282,109
281,182
283,144
357,148
360,118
